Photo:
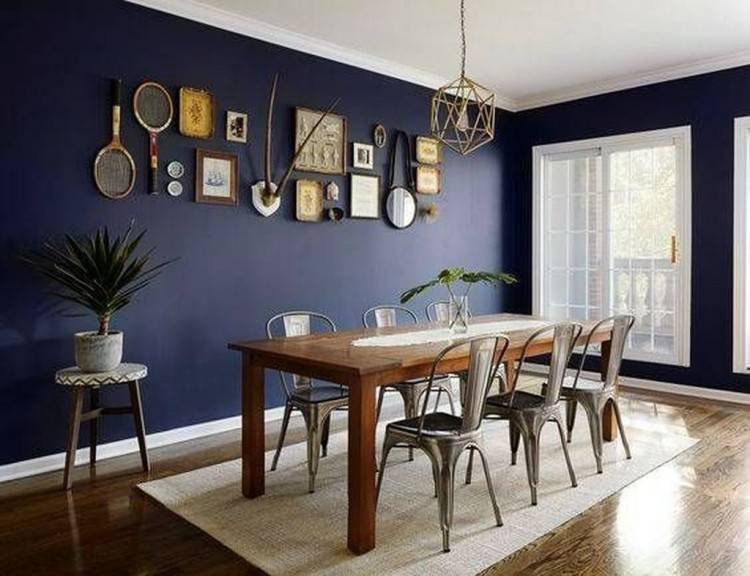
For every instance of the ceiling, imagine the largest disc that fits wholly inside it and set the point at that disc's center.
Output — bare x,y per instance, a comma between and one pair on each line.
530,52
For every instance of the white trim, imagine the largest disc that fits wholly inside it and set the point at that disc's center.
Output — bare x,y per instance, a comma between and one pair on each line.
740,310
709,394
680,134
665,74
53,462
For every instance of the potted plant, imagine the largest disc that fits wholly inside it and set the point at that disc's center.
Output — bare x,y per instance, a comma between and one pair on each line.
100,274
459,303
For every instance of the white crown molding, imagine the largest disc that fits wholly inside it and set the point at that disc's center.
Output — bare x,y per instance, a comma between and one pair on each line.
212,16
635,80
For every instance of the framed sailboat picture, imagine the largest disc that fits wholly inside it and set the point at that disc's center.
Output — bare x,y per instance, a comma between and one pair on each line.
215,177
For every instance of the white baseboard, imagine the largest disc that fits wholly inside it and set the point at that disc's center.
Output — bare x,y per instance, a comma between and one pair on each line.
53,462
666,387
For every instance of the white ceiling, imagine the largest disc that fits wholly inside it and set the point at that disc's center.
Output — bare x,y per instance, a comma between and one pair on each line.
530,52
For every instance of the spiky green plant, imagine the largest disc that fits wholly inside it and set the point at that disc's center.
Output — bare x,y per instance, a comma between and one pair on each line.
450,276
96,272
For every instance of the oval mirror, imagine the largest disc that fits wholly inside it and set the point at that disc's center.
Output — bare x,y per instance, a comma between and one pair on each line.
401,207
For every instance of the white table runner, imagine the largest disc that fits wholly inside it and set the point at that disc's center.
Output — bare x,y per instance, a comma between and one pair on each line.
445,335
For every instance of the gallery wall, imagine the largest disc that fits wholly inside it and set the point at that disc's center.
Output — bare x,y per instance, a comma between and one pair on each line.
236,268
708,104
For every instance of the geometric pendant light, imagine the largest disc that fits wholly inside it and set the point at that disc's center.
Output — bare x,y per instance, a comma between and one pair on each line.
462,114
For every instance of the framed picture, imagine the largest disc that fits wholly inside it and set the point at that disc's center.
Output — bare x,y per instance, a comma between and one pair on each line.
216,177
236,127
362,155
364,196
428,180
309,201
196,113
429,150
325,152
379,135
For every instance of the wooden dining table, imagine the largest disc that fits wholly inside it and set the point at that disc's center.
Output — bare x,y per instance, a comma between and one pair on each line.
331,357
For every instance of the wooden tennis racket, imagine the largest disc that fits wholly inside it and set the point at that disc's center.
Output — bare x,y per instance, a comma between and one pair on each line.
114,169
153,109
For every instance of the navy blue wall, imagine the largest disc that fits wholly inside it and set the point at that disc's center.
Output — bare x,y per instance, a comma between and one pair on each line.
236,268
709,104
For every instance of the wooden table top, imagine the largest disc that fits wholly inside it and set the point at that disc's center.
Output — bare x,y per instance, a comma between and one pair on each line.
333,352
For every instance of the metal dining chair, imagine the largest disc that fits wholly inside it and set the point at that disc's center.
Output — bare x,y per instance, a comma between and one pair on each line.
316,401
594,395
444,437
526,412
385,316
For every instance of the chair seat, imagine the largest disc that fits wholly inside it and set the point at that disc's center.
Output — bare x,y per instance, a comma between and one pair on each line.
320,393
521,401
584,385
435,424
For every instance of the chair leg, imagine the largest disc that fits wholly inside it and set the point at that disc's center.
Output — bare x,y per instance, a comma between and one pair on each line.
387,445
411,399
490,488
73,428
621,426
450,400
93,427
515,437
570,416
531,451
381,394
437,398
445,500
140,428
313,449
597,439
282,435
571,472
326,434
470,465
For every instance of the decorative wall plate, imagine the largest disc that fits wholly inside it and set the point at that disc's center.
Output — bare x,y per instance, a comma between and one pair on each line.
257,191
175,169
174,188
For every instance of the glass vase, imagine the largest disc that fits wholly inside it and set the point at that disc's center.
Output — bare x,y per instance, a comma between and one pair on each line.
459,314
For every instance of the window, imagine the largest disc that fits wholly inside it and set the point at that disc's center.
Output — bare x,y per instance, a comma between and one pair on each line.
612,235
741,354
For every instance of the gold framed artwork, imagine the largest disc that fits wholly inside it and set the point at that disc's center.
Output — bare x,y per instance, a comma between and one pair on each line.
325,152
197,109
309,201
429,150
428,180
216,177
364,196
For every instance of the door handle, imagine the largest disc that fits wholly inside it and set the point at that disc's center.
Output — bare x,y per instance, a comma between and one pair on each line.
673,249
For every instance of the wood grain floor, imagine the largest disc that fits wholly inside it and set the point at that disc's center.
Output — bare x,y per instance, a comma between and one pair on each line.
690,517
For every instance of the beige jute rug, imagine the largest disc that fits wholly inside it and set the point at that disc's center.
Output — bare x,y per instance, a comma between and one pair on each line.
289,531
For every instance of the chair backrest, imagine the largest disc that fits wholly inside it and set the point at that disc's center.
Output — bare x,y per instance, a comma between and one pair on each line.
564,337
485,356
387,315
621,325
293,324
438,311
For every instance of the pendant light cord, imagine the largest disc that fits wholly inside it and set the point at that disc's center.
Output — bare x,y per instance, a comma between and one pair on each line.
463,40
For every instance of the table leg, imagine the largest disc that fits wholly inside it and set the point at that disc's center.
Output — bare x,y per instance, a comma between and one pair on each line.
510,375
361,478
253,428
609,424
73,427
93,427
140,428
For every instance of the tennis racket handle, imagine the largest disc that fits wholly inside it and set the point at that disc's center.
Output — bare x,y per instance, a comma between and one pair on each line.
116,90
154,176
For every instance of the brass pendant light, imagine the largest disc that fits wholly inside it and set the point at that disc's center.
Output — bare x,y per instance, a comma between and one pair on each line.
462,114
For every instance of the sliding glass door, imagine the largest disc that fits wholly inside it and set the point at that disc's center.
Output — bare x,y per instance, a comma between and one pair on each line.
612,236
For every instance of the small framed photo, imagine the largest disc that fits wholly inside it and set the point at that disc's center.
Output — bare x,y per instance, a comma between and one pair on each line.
362,155
364,196
216,177
236,127
309,201
429,150
379,135
428,180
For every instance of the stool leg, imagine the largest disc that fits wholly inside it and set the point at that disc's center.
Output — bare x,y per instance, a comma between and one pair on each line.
135,403
74,426
93,427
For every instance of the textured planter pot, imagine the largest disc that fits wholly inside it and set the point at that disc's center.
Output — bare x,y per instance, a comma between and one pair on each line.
96,353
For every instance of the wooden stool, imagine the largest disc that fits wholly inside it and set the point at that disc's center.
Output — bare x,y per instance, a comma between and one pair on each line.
79,382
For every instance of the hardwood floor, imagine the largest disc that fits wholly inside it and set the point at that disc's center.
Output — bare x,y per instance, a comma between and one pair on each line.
689,517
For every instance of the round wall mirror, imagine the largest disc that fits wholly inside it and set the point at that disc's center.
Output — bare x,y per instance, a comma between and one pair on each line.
401,207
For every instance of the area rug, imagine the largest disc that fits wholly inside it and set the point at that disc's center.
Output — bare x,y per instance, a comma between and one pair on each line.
289,531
